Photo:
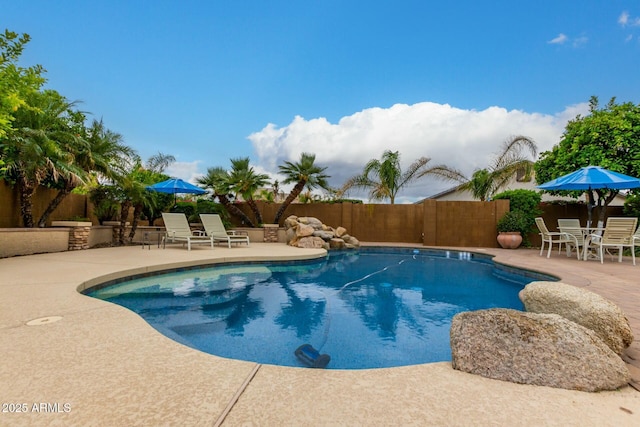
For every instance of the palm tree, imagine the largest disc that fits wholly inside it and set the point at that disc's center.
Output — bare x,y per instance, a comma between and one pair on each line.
305,174
484,183
385,177
245,181
132,193
217,179
159,162
154,172
95,150
33,149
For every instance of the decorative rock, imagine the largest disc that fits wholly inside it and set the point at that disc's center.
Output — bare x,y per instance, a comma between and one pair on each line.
290,234
532,348
324,235
341,231
310,242
351,240
583,307
291,222
336,243
304,230
298,230
314,222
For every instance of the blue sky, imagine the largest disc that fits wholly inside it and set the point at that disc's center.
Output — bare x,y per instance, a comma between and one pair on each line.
207,81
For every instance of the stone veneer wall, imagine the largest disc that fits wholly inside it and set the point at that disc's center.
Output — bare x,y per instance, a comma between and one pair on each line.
271,233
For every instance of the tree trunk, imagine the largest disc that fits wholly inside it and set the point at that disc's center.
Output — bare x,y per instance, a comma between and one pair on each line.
64,192
26,201
124,213
234,210
137,213
295,192
254,208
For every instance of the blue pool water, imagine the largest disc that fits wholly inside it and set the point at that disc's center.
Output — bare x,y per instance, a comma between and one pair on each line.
372,308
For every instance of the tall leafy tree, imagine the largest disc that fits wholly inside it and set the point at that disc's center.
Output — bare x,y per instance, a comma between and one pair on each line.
517,156
34,149
95,150
244,180
304,173
217,179
16,83
607,137
384,178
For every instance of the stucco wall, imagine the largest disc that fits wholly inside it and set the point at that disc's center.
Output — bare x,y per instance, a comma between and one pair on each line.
27,241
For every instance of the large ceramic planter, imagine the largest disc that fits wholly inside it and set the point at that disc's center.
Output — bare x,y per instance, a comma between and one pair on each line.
509,239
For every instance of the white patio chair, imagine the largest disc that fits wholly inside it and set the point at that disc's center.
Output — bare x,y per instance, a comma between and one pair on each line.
214,228
618,234
178,230
574,234
550,237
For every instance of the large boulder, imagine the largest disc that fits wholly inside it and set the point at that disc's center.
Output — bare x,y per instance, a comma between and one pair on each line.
324,235
300,230
583,307
313,222
304,230
341,231
337,243
310,242
532,348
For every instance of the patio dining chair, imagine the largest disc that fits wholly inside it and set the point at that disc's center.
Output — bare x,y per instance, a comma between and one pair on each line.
550,237
178,230
618,234
636,238
214,227
574,233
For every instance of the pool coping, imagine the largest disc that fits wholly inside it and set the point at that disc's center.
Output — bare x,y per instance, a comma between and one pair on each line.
114,369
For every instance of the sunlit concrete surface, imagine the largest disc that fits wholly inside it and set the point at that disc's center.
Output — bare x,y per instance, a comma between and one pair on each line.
71,360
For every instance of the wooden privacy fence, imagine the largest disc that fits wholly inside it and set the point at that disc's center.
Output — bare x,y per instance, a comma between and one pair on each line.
73,206
432,223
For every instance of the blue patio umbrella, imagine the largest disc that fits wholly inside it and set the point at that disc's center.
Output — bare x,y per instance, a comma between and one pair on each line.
592,178
175,186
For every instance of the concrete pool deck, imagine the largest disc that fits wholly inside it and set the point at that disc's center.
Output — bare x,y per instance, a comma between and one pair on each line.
88,362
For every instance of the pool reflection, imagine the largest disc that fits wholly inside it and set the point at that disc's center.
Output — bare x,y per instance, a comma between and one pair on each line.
366,310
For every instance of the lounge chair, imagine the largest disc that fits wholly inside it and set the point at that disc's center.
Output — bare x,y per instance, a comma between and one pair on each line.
618,234
178,230
574,234
214,228
550,237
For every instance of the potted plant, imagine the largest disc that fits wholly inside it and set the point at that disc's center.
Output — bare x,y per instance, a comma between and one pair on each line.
510,228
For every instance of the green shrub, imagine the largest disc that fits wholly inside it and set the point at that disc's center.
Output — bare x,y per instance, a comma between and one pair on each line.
632,205
514,221
526,202
187,208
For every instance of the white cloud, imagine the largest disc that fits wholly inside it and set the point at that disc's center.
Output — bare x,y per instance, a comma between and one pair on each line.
625,20
560,39
465,139
580,41
187,171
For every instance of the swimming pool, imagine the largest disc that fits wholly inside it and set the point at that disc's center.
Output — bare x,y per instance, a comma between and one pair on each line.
377,307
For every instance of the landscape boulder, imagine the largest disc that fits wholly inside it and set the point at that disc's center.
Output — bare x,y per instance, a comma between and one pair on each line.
533,348
311,242
310,232
583,307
